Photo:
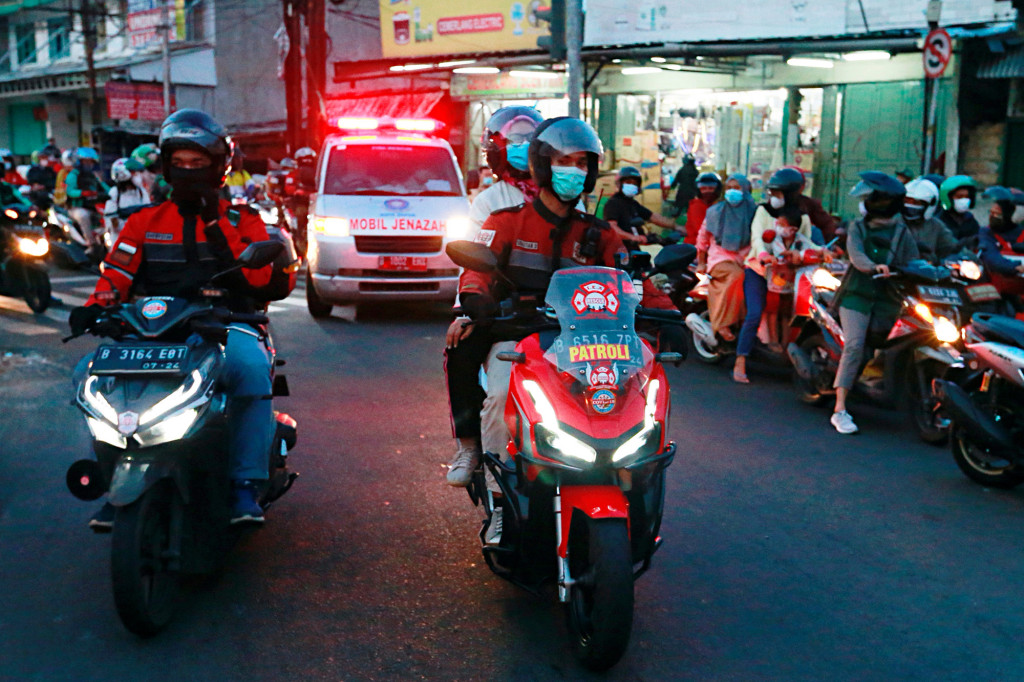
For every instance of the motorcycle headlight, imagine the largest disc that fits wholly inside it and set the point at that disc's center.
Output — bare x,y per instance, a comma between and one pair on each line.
33,247
167,430
946,331
970,270
95,400
551,439
823,279
105,433
648,438
182,395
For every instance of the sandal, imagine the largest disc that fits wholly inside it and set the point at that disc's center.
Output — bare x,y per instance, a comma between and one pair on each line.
740,377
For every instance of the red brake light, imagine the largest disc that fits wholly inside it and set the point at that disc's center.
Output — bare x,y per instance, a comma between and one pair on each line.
420,125
354,123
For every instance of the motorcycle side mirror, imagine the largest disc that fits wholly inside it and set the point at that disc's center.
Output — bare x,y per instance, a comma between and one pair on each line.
472,256
768,236
637,222
674,257
260,254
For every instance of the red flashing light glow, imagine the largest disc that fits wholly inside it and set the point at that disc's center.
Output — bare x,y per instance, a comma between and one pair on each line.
420,125
354,123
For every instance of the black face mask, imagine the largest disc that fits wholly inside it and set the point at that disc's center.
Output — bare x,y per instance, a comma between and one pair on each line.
998,224
189,183
913,213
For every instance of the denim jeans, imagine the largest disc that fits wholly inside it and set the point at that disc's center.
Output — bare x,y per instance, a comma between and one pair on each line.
755,292
246,379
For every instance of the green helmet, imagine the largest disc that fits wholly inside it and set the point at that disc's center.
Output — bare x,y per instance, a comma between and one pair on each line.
952,184
147,154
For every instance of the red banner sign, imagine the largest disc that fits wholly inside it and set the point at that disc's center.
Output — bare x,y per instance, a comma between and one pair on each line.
479,23
135,101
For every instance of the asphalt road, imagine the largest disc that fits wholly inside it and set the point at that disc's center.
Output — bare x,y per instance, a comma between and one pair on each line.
790,552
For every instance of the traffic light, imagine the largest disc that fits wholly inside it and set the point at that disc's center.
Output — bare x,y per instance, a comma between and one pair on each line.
555,16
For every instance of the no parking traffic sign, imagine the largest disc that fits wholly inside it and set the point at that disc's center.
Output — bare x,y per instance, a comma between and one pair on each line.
938,49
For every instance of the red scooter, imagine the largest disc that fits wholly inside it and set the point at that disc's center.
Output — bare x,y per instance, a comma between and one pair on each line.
582,493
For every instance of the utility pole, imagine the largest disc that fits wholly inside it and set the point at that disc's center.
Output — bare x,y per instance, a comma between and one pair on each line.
574,56
293,72
165,25
316,60
89,33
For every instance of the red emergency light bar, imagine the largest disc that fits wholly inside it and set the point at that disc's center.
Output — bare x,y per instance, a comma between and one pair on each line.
418,125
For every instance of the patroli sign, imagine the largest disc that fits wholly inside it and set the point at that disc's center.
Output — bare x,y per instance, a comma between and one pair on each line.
612,22
423,28
144,19
135,101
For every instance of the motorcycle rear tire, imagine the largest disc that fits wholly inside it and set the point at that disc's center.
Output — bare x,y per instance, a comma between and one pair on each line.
600,608
318,307
145,591
978,470
37,290
809,391
922,417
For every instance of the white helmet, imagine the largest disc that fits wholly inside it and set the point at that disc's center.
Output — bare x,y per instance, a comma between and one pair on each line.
119,171
926,191
69,157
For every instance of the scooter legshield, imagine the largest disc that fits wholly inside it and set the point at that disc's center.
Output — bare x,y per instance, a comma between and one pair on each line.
133,477
596,501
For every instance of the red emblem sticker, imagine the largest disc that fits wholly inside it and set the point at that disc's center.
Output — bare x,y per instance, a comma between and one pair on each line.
595,297
603,376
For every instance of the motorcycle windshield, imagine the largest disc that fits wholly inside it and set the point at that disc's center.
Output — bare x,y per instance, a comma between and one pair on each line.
598,344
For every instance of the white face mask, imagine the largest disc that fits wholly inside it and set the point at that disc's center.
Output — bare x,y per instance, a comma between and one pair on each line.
862,208
630,190
962,205
777,202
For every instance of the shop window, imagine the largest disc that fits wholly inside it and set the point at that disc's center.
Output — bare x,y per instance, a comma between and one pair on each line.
195,19
25,35
59,31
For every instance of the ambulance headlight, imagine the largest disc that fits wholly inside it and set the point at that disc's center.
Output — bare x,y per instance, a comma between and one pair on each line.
458,228
331,227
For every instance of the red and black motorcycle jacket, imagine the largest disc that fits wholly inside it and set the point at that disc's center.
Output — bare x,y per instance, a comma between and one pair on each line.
531,242
161,253
1001,260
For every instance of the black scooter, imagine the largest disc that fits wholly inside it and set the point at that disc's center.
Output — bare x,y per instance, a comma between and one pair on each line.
23,249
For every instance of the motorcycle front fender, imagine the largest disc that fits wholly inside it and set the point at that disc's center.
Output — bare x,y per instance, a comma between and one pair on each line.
940,355
133,477
596,501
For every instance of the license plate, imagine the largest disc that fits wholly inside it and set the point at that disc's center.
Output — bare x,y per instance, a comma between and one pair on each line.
939,295
140,359
983,292
403,263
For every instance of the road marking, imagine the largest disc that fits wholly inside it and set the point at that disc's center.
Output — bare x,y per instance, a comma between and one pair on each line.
25,328
74,278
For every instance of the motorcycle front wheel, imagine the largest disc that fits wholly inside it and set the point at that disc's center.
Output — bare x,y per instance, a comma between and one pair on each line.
926,421
600,608
145,589
37,290
809,390
982,467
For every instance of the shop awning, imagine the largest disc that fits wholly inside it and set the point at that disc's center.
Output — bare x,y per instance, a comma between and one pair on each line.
405,105
12,6
1009,64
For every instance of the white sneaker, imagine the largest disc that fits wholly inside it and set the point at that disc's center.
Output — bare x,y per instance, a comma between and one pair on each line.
492,537
460,471
843,422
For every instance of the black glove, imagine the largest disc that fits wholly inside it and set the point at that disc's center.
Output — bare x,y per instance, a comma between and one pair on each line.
83,318
479,305
210,198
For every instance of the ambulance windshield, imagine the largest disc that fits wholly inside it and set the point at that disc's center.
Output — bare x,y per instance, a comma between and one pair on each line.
391,170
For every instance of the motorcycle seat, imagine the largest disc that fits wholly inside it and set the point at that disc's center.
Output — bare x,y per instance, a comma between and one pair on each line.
999,328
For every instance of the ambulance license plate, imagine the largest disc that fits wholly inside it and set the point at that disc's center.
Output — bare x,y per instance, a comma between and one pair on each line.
403,263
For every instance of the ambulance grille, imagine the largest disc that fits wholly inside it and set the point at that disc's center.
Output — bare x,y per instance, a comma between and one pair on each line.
365,244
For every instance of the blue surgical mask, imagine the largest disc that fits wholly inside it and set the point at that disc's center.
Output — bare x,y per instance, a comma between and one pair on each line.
517,157
489,180
567,182
630,190
733,196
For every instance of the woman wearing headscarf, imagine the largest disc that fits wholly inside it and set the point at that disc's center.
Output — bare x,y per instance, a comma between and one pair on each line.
722,245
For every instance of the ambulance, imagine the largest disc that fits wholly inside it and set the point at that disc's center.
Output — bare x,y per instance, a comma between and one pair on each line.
388,197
